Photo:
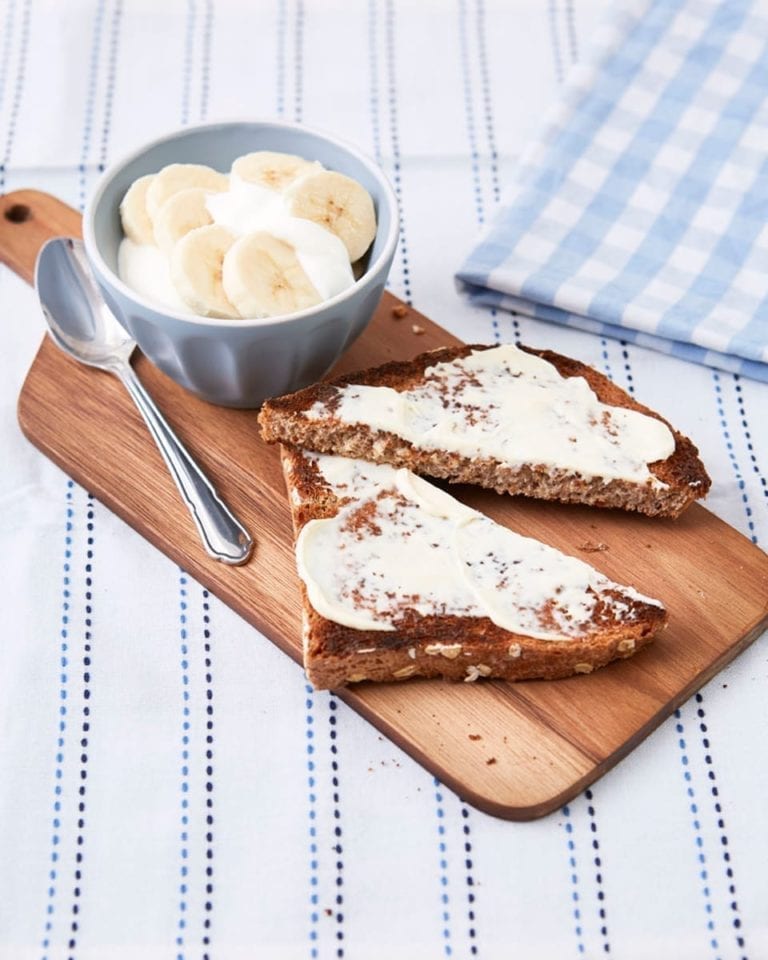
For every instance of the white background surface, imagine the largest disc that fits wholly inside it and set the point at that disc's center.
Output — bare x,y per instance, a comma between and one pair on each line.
152,744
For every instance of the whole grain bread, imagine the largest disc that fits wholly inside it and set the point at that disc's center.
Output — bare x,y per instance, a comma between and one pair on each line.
284,419
455,648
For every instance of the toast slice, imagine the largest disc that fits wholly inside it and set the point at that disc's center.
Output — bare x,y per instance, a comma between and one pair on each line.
513,419
399,579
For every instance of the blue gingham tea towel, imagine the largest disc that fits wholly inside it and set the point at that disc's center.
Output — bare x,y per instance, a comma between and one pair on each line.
641,212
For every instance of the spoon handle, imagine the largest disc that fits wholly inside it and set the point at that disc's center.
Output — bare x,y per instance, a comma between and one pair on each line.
224,537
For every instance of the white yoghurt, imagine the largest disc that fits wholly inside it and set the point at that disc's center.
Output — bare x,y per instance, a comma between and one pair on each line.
401,544
248,208
515,408
144,268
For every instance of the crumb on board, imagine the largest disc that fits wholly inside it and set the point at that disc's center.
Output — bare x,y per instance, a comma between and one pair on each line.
399,311
593,546
490,761
474,736
417,329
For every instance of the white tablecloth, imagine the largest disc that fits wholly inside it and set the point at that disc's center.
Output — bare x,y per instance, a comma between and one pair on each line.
170,785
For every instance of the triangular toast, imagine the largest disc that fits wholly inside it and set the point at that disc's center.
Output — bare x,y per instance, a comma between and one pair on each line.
509,418
399,579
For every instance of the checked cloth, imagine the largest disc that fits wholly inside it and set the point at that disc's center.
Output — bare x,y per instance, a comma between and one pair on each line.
641,210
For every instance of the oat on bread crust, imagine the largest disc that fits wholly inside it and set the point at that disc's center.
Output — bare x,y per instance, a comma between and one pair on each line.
282,420
456,648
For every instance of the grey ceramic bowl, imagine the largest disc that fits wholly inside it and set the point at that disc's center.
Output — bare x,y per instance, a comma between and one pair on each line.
239,363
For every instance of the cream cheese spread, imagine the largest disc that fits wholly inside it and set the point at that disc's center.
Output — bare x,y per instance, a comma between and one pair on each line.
399,545
515,408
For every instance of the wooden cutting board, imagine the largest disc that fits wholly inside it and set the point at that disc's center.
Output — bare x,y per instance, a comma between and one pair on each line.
517,751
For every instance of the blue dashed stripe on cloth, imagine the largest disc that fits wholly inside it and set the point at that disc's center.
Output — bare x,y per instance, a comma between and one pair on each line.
469,869
573,50
205,59
445,911
183,889
314,880
725,428
18,87
338,847
280,56
718,808
109,96
471,125
469,113
598,864
374,97
90,102
639,211
390,56
58,772
698,837
570,29
208,784
85,732
298,63
188,60
485,84
555,41
739,477
9,33
741,406
575,895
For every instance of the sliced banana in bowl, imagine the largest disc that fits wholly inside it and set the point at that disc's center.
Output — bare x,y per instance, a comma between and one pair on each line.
262,277
338,203
275,236
197,267
181,212
275,171
181,176
137,223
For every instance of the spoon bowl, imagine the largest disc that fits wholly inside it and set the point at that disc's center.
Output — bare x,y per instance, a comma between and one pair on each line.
82,325
77,316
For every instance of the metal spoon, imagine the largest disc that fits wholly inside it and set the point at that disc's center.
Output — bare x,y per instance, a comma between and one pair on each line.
82,325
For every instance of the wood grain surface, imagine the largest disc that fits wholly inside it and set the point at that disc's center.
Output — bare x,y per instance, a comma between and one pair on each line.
516,751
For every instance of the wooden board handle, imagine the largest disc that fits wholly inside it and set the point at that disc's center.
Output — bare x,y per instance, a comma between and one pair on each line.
28,218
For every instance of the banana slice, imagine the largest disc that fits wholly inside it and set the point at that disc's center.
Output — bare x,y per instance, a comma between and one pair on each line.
339,204
263,277
133,212
182,212
181,176
272,170
196,268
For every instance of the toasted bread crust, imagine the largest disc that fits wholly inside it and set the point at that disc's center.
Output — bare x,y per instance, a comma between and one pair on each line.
456,648
683,473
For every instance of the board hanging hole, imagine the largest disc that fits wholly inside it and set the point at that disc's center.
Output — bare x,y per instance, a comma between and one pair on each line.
18,213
